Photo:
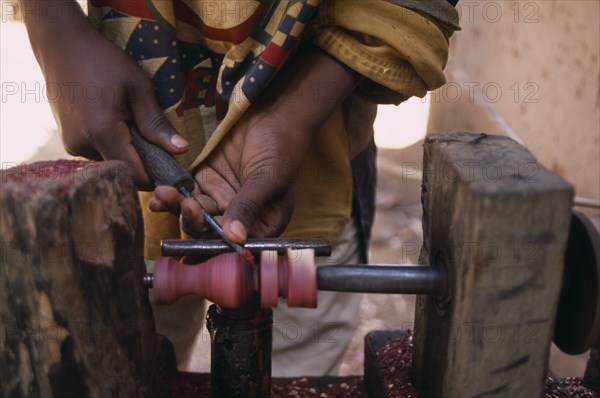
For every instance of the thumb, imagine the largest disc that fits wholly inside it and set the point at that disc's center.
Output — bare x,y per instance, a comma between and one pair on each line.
240,215
151,121
263,205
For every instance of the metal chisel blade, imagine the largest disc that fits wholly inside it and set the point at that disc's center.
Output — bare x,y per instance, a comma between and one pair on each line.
212,222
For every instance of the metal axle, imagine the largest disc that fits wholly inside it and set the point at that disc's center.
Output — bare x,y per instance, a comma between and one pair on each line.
361,278
398,279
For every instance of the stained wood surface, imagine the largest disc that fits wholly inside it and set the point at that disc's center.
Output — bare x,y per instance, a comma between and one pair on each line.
76,319
591,379
498,221
374,381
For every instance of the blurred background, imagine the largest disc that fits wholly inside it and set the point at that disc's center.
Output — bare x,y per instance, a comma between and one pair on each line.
525,69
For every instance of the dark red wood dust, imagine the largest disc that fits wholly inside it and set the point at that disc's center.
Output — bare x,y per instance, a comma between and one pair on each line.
37,172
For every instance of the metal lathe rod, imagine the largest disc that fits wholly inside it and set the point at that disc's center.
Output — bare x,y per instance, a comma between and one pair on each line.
211,247
400,279
391,279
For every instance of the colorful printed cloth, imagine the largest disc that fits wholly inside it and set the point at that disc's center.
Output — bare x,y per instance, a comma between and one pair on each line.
205,54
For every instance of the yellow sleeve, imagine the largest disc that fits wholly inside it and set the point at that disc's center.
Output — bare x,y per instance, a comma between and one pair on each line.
401,52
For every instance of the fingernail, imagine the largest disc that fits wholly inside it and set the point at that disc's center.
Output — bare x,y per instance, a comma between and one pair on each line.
178,141
155,205
237,228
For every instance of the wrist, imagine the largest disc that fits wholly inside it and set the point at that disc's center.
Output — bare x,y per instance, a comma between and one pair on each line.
310,88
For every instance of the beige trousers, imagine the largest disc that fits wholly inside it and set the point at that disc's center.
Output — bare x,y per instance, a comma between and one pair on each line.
306,342
312,342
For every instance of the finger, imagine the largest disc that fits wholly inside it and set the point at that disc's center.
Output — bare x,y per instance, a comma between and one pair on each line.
151,121
274,218
169,199
77,144
257,192
214,185
191,216
114,142
156,205
165,199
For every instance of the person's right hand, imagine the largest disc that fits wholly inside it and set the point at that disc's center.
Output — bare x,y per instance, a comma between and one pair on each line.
98,90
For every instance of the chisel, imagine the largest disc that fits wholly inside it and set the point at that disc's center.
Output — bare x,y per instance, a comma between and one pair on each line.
163,169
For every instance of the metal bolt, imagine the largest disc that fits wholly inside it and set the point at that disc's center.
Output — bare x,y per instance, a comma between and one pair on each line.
148,280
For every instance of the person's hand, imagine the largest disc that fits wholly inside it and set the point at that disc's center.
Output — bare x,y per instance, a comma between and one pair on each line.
251,178
252,175
97,90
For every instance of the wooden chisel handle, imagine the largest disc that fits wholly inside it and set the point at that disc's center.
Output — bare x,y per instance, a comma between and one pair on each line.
160,165
163,169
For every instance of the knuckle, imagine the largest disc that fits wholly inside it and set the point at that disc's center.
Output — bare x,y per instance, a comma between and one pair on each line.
99,134
247,209
70,149
71,145
139,82
158,122
139,88
270,229
76,142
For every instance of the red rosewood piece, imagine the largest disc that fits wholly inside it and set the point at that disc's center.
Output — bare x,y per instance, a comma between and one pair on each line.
229,280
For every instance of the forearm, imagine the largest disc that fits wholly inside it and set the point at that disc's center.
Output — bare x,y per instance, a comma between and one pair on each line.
49,22
310,89
47,16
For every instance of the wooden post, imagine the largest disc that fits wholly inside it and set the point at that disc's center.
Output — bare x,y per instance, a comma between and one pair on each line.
591,378
498,221
76,320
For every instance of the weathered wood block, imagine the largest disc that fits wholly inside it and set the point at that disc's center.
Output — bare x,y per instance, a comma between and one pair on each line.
373,376
76,320
591,378
499,222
